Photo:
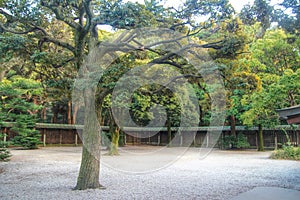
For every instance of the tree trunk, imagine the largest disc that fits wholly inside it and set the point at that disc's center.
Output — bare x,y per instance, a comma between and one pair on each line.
90,164
115,135
69,112
75,110
260,138
89,172
44,114
54,114
115,142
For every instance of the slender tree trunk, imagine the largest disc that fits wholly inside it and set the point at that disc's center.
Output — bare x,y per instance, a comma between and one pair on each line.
115,135
260,138
115,141
54,114
44,114
121,139
69,113
54,118
90,165
75,110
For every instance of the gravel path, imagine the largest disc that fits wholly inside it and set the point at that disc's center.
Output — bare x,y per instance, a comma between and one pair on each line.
50,173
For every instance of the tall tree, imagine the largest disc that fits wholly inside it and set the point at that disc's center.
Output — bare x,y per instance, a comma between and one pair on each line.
30,18
261,11
288,15
23,17
277,51
19,104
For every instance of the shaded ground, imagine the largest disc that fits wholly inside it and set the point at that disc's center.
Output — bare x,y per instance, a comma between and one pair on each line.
50,173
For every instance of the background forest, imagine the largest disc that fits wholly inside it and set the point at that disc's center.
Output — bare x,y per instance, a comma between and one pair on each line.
257,51
43,43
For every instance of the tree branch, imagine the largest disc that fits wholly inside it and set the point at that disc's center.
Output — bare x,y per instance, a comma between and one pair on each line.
174,79
59,15
16,32
59,43
89,14
14,19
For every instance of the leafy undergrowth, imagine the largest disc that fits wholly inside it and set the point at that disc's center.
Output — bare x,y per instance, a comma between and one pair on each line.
287,153
4,154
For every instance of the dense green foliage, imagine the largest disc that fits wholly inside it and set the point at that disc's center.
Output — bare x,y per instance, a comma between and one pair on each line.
19,98
43,45
232,142
250,53
287,153
4,152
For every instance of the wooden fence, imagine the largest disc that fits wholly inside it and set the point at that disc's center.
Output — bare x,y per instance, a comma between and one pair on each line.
65,134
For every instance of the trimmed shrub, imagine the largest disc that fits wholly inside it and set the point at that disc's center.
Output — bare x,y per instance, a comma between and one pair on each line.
242,142
287,153
27,137
231,142
228,142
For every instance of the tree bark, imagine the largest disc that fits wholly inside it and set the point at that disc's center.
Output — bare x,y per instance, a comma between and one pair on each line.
69,114
90,164
89,171
115,142
75,110
44,114
115,135
54,114
260,138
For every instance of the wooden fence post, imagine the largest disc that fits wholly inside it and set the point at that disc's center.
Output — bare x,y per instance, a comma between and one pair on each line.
125,139
256,139
298,137
76,139
158,138
60,137
4,136
276,141
207,140
181,139
44,137
4,139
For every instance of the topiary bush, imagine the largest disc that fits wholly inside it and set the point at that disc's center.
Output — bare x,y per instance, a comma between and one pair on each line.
288,152
242,142
19,103
27,137
228,142
231,142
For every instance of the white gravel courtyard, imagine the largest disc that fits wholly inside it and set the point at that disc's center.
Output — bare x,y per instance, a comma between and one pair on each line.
51,173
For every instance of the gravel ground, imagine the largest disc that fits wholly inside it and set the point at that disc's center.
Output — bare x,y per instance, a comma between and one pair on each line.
51,172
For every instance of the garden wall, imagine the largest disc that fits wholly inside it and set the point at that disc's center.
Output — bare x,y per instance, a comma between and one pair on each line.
64,134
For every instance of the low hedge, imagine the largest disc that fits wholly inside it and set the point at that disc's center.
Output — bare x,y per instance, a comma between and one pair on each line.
287,153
